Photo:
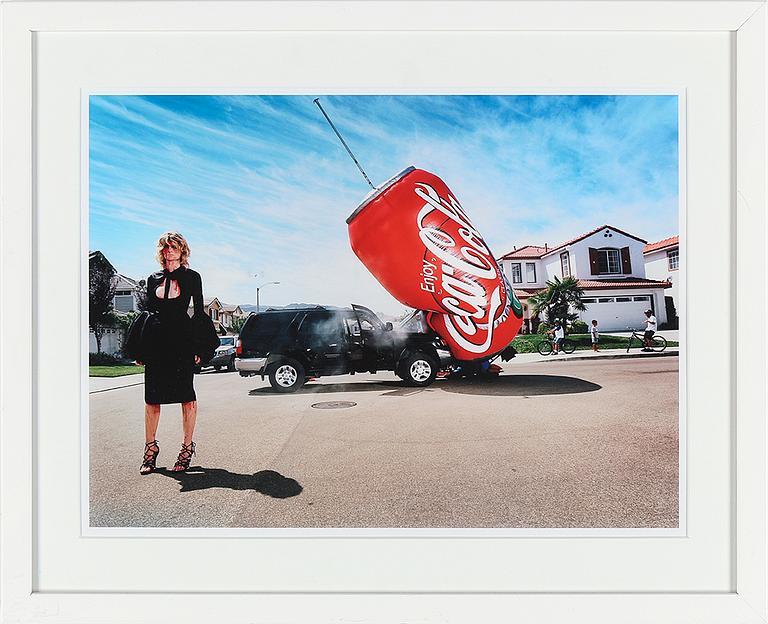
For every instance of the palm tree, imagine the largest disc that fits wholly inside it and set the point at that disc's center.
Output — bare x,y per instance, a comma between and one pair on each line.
558,299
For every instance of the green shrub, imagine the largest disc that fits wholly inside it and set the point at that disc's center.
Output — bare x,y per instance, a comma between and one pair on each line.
544,327
579,327
105,359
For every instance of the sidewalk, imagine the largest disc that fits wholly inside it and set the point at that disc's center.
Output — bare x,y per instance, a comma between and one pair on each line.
606,354
100,384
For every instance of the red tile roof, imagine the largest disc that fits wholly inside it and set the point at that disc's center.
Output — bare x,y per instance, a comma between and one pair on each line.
524,293
672,241
627,282
529,251
532,251
597,284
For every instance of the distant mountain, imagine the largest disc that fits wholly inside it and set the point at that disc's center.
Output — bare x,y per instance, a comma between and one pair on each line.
248,308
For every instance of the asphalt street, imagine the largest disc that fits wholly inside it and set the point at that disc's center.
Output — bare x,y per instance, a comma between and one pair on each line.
547,444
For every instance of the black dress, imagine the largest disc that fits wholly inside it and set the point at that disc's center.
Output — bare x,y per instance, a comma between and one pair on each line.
169,373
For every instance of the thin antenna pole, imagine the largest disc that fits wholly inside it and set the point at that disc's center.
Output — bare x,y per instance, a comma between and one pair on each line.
343,142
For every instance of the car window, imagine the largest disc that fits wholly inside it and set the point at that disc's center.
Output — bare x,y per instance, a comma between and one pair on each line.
366,324
368,321
321,329
353,327
264,327
228,341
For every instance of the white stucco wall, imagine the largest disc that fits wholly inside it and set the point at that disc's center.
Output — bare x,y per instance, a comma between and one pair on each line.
540,274
657,267
111,341
619,316
552,266
580,254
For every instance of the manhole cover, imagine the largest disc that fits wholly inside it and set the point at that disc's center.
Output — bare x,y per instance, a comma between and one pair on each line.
333,404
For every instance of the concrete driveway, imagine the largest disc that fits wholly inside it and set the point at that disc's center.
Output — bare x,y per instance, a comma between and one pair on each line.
555,444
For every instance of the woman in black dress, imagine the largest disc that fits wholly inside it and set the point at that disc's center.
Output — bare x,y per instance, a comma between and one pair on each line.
169,373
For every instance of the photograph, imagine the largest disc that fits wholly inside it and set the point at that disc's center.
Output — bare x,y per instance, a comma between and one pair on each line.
342,311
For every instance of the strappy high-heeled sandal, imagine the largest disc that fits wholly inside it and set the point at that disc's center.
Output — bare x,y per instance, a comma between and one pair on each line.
185,456
151,451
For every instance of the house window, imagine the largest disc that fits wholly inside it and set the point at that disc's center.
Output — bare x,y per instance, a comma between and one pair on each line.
608,261
517,274
214,314
530,272
623,299
673,259
123,302
605,300
589,300
565,264
641,298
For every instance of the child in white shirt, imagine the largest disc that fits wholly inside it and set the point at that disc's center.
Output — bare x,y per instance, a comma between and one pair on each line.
595,336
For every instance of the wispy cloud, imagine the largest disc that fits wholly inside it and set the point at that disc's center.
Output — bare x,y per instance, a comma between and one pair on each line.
261,185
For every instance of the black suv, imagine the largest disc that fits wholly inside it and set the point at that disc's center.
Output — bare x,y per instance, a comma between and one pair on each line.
290,346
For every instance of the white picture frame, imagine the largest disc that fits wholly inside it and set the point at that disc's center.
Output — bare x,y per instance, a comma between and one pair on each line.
23,389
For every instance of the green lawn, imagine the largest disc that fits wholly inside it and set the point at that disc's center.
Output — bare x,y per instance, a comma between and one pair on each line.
529,342
114,371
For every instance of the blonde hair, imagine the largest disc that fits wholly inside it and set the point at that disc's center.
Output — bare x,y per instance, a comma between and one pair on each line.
179,241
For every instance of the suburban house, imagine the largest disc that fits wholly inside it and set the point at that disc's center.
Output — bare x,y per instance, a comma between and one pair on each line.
229,313
111,341
126,294
662,262
221,314
609,266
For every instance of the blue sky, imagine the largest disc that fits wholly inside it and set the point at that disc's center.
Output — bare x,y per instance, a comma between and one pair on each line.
262,185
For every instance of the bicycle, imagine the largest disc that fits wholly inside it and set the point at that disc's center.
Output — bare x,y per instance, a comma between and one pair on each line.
658,343
548,346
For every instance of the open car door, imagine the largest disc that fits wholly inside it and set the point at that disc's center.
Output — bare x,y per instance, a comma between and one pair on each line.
377,341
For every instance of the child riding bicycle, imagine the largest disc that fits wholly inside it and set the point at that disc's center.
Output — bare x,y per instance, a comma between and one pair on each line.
650,330
558,336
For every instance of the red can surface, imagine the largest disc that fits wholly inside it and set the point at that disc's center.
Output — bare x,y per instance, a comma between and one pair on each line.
415,238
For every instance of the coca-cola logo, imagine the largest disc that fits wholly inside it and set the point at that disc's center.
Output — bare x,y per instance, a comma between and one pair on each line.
459,270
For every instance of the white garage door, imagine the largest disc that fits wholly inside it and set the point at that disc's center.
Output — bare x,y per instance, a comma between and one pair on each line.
616,313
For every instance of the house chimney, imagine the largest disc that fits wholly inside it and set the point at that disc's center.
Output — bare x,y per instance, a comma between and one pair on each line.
545,247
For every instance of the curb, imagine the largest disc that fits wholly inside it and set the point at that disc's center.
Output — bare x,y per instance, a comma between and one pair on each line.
108,388
608,356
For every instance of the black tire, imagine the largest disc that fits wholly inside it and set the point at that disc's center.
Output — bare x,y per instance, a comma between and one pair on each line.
231,364
658,343
286,375
544,348
568,346
198,370
418,369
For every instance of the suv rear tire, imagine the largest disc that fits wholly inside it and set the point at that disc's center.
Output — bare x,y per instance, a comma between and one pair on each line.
286,375
418,369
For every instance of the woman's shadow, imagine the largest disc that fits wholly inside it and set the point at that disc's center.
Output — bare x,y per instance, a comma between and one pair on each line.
267,482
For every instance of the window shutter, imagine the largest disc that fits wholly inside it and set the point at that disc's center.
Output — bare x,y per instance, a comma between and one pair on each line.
626,264
593,266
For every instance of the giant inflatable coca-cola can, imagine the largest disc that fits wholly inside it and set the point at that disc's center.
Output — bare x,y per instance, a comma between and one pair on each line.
415,238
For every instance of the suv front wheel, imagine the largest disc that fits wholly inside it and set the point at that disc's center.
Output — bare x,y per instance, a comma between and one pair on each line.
286,375
418,369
